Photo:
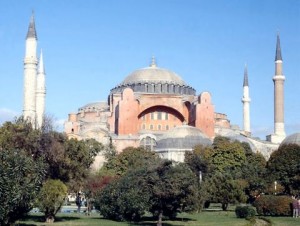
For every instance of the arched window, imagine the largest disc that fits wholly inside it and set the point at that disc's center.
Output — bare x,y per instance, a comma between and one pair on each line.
148,142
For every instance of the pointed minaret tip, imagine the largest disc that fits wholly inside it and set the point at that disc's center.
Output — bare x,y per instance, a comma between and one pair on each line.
246,83
31,29
41,69
278,49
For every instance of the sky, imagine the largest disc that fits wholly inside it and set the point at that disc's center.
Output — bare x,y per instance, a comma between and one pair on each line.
90,46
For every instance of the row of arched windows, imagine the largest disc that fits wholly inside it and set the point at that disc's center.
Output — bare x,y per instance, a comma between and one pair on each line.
157,88
155,127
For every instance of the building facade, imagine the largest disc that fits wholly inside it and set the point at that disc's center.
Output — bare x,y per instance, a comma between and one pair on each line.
154,108
148,103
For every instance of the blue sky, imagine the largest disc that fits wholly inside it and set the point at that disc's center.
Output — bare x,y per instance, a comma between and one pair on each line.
91,46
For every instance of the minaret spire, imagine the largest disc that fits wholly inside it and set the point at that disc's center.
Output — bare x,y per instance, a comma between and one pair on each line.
41,69
278,49
30,73
246,103
278,79
31,29
245,76
40,93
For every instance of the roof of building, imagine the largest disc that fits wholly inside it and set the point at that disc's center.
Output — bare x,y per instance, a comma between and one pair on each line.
153,74
246,83
292,139
183,137
31,29
278,49
94,106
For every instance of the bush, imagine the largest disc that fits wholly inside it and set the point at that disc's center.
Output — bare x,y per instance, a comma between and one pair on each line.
21,177
51,198
245,212
270,205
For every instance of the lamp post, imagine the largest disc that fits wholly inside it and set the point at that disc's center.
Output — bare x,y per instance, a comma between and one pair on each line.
275,186
200,177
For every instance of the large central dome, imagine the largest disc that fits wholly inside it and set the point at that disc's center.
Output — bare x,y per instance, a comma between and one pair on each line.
154,75
154,80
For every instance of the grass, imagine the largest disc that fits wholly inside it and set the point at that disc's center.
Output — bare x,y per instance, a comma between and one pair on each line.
212,217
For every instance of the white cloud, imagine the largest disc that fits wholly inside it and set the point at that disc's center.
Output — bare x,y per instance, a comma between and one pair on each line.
7,115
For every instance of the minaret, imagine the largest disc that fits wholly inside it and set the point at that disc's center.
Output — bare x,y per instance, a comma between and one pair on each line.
30,71
278,79
246,103
40,93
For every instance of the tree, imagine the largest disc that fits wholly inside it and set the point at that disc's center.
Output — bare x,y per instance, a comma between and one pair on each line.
227,155
20,135
284,167
67,160
130,158
126,198
223,189
173,189
161,187
20,179
78,157
254,173
198,160
51,198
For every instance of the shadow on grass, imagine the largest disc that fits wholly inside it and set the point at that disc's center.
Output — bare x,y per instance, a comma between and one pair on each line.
41,219
150,221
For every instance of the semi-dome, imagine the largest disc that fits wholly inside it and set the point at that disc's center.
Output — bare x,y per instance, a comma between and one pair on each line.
183,137
94,106
153,75
292,139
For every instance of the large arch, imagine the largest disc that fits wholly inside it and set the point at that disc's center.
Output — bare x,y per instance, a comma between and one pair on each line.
162,107
159,118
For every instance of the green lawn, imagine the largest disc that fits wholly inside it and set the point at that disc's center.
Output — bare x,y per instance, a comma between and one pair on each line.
206,218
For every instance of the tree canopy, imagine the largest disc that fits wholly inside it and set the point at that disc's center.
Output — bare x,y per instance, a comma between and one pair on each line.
227,155
130,158
162,188
20,179
50,198
284,167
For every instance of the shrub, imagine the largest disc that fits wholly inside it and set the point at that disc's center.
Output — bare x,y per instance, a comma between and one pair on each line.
51,198
21,177
270,205
245,212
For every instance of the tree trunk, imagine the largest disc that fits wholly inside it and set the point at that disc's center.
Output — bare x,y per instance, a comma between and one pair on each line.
49,218
160,215
224,206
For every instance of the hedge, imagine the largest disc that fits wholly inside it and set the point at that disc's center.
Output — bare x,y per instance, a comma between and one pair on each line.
270,205
245,212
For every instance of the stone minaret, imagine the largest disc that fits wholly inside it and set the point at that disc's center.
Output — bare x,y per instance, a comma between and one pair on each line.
278,79
246,103
30,71
40,93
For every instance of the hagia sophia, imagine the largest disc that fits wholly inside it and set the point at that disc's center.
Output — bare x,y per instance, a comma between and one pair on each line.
155,108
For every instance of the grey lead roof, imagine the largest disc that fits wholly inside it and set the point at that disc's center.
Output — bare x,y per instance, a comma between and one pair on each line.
278,49
153,74
31,29
183,137
245,76
292,139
